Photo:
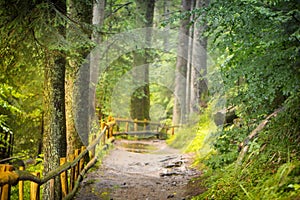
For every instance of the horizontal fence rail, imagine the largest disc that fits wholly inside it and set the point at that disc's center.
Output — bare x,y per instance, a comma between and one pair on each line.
136,127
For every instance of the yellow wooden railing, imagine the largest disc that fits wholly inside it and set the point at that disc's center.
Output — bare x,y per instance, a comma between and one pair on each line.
129,125
71,169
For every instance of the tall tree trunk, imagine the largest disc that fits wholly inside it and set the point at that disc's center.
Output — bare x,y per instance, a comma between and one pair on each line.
77,121
140,100
166,18
199,88
189,64
54,138
54,141
179,109
98,20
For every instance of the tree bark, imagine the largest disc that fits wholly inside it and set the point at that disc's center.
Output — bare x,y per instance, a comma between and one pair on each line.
166,7
54,141
77,80
97,20
140,100
199,88
190,61
54,138
179,109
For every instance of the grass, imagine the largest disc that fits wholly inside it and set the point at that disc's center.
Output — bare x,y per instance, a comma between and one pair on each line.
196,138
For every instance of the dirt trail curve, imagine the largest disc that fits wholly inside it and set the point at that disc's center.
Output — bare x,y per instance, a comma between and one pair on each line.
141,170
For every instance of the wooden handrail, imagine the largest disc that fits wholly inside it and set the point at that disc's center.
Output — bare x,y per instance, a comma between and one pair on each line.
137,121
28,176
12,176
145,122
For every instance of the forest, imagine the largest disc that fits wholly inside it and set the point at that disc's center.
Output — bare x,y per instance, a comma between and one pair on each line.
226,71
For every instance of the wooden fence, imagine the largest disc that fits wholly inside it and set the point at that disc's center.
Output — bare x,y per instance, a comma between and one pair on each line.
71,169
135,127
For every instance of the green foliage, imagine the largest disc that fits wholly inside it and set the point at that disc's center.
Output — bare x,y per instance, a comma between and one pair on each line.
196,138
226,148
270,169
254,181
256,45
259,41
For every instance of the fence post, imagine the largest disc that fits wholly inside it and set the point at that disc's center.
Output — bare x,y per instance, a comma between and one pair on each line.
126,126
52,189
102,128
35,188
72,173
135,127
111,131
118,125
81,162
77,152
93,150
21,186
107,132
145,124
64,179
5,189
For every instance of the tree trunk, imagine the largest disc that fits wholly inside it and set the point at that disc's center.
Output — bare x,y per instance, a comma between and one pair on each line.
140,100
98,19
54,140
190,64
166,6
179,109
199,88
77,89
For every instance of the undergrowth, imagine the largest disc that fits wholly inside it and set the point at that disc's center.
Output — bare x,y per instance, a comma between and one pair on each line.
270,169
194,138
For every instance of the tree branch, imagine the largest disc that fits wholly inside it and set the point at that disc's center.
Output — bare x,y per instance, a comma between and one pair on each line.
117,9
244,146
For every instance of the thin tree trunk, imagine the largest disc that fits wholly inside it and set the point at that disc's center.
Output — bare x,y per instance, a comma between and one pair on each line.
140,100
179,109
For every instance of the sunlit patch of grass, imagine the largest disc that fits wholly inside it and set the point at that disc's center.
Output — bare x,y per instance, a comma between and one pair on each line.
195,138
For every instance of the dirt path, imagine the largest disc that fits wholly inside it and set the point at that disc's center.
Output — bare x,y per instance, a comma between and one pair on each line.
140,170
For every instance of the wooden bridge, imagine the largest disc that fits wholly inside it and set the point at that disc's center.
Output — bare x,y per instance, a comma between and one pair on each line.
73,167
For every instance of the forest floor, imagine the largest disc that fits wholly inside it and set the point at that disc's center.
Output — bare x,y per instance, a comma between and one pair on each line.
142,170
